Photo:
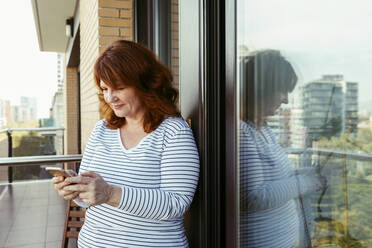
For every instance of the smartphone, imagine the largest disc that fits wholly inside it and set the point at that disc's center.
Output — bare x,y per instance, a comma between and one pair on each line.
55,171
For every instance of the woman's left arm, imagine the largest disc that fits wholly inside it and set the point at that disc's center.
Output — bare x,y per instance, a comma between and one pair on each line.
179,169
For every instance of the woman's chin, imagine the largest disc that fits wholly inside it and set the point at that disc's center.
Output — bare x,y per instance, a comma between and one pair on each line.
120,114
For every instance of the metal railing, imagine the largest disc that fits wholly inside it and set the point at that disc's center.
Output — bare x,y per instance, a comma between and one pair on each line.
37,160
314,154
333,153
7,130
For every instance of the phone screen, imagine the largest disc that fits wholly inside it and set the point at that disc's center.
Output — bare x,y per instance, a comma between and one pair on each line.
57,172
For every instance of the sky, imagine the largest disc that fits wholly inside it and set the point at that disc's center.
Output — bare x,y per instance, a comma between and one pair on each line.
24,70
318,37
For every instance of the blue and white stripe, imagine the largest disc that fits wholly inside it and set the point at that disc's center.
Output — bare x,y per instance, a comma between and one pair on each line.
268,191
158,178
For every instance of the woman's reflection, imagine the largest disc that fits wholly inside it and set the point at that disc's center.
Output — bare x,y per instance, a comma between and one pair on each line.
269,189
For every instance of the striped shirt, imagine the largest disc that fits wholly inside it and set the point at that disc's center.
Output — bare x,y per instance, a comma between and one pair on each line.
268,191
158,178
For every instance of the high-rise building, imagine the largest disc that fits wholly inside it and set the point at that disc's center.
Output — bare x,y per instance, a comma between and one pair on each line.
16,113
351,108
280,125
4,112
59,70
298,130
330,107
27,110
57,108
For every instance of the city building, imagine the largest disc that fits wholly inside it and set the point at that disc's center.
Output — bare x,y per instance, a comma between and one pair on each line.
4,112
29,103
57,109
330,107
351,108
58,106
298,129
26,110
60,70
281,126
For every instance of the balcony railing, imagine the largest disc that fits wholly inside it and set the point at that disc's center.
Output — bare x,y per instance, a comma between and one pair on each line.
36,160
341,213
330,152
37,142
32,212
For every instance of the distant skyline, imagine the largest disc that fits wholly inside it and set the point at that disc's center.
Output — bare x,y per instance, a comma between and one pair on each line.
25,71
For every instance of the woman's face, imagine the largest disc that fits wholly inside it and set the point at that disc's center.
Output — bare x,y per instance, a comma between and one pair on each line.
274,102
123,101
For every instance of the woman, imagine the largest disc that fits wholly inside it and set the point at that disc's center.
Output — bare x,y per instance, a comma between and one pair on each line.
140,167
269,190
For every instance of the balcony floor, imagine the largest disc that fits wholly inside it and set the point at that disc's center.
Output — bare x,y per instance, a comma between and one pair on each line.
32,215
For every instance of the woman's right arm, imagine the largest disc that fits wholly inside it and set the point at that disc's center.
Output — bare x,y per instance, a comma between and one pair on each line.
59,182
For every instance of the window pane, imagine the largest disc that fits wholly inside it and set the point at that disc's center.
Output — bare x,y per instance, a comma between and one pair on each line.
305,153
168,36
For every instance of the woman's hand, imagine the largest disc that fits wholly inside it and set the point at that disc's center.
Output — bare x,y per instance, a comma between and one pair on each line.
90,187
59,184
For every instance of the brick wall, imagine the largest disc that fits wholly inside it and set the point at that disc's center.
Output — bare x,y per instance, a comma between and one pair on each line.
101,23
115,19
89,50
71,111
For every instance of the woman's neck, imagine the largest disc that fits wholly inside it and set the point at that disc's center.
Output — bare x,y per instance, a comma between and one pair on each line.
133,124
135,120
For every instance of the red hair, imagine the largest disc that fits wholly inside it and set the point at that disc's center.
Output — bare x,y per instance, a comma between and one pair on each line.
126,63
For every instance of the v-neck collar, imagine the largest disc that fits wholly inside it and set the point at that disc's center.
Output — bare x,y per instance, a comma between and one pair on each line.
134,147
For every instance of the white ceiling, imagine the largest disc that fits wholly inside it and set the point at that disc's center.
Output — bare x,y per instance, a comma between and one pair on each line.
50,20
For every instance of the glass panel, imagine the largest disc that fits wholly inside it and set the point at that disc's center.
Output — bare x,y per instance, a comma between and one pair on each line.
3,154
39,142
305,132
166,31
168,36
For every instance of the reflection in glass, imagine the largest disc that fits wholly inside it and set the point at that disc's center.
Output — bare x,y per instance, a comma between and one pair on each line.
269,187
327,123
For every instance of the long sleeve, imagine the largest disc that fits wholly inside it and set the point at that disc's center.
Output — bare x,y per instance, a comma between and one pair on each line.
272,194
179,169
267,180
